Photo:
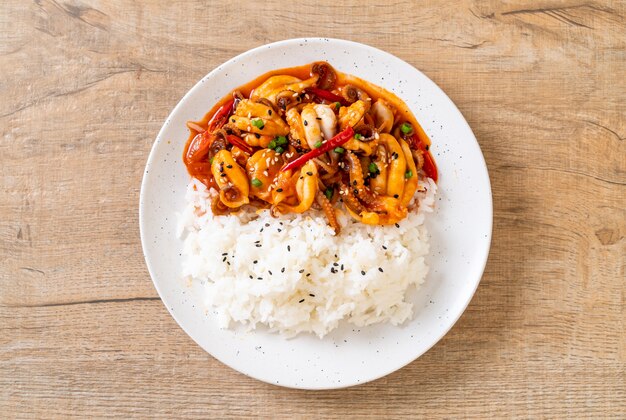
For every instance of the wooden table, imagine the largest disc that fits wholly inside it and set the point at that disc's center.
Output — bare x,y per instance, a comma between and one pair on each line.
86,87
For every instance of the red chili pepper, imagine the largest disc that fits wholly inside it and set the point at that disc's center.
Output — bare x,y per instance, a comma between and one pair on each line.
236,141
221,116
327,95
336,141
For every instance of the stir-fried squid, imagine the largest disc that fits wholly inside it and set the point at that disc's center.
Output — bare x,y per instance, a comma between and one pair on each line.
311,137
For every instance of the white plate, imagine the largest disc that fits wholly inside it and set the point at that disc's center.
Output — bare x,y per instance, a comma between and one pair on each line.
460,227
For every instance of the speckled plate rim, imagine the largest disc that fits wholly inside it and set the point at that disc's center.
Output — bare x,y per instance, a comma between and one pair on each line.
480,259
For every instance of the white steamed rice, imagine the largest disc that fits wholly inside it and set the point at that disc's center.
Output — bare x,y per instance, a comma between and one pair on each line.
292,274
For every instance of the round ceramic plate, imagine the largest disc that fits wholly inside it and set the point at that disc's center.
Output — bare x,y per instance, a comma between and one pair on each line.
460,227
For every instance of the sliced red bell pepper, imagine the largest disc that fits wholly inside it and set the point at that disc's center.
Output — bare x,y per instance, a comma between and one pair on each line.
336,141
221,116
199,147
236,141
327,95
429,167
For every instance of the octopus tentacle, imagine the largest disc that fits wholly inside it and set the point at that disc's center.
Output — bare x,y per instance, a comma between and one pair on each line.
418,155
356,180
349,199
329,211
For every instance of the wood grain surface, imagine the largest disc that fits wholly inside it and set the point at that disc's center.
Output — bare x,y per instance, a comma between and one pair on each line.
85,88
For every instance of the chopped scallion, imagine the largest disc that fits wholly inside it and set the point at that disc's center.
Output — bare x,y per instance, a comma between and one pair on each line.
406,128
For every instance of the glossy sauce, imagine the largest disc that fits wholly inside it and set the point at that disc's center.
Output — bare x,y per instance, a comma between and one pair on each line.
201,170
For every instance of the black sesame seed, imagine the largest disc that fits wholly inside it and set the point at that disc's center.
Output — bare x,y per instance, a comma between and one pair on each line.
308,274
318,118
258,245
257,135
224,259
354,182
228,262
229,166
384,247
279,190
332,270
341,267
335,264
255,261
280,230
309,173
288,248
301,300
380,269
270,271
396,196
398,226
301,271
282,270
224,254
267,225
355,191
311,294
232,120
222,174
251,277
362,272
259,278
306,122
269,112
